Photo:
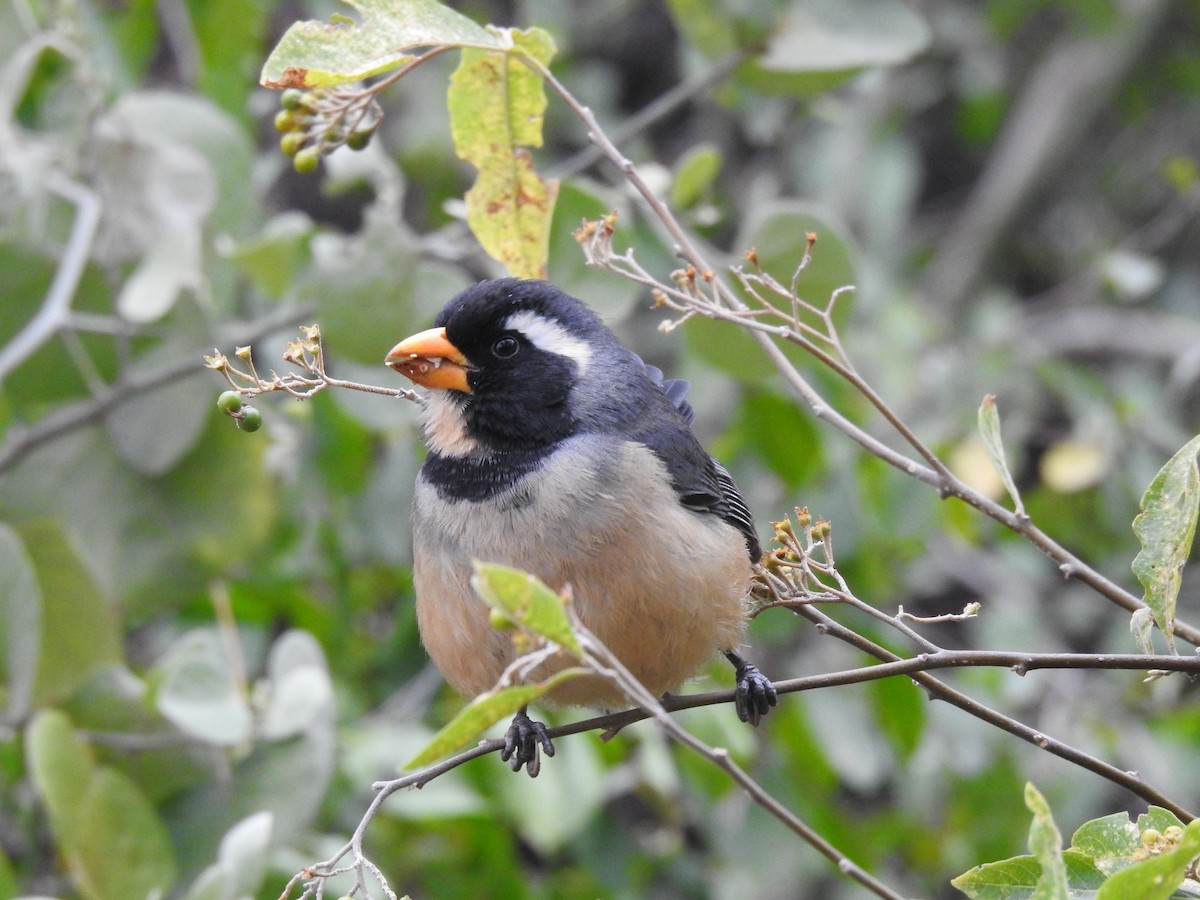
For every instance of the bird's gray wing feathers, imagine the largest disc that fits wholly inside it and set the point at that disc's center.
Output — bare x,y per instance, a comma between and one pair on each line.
703,484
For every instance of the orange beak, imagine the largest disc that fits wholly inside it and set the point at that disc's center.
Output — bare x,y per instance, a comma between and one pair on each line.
430,360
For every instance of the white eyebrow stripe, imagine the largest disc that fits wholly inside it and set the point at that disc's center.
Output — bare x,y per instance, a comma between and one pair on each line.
548,335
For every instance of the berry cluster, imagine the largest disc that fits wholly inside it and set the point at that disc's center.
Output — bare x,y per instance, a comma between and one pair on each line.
316,122
248,418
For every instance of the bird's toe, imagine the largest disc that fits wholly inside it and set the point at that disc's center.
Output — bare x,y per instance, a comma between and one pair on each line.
754,694
524,742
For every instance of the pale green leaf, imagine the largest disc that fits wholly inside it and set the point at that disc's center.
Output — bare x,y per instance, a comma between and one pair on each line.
61,767
482,713
300,691
1158,876
171,265
154,433
1165,528
20,622
1045,843
527,601
112,840
830,35
241,861
989,432
199,695
497,104
819,44
1141,626
79,633
315,54
122,846
694,174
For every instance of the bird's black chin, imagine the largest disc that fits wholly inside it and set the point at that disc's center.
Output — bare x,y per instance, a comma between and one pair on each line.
504,427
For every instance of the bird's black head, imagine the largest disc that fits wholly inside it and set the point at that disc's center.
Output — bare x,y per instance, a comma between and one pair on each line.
526,344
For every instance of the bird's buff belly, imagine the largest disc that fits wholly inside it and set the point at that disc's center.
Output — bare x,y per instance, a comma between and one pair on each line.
664,593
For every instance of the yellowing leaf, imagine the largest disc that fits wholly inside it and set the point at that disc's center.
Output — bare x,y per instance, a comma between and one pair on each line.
319,54
496,108
1071,466
1165,528
482,713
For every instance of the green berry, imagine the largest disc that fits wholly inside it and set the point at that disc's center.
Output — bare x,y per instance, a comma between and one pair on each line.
291,143
251,419
292,98
230,402
307,160
358,140
285,121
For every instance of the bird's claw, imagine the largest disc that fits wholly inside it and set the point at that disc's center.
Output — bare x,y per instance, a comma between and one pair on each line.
754,695
522,742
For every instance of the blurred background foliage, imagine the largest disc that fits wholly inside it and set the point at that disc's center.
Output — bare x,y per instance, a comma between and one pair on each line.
208,638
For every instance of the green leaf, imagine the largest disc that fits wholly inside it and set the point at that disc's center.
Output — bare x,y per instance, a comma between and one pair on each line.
1017,878
1157,877
482,713
773,427
1046,844
272,259
694,174
1157,817
989,432
899,709
527,601
122,846
60,766
1109,841
315,54
113,841
1165,528
20,622
497,104
79,630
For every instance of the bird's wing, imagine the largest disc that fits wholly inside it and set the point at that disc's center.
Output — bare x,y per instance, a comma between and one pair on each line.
703,484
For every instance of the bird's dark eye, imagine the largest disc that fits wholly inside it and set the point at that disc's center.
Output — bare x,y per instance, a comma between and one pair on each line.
505,348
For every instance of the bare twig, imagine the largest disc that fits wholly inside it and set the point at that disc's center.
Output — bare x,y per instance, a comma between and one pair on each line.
21,440
55,311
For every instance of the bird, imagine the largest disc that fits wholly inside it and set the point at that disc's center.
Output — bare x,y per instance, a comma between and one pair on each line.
554,449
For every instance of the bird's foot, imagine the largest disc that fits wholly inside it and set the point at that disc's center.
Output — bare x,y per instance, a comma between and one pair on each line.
522,742
754,694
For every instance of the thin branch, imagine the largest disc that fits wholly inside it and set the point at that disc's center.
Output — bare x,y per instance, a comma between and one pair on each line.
56,308
19,440
939,690
653,112
600,658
